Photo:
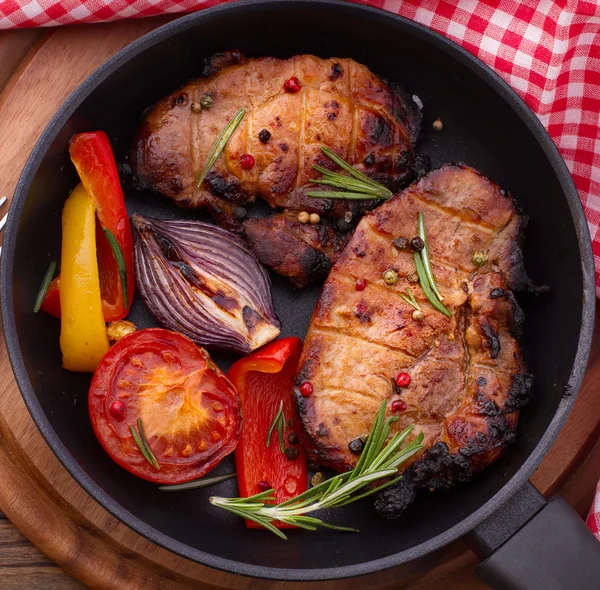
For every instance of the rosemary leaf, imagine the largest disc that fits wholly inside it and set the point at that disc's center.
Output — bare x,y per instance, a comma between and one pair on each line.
275,424
412,297
44,286
378,462
424,282
199,483
409,301
339,195
220,144
357,186
425,255
142,443
351,170
120,260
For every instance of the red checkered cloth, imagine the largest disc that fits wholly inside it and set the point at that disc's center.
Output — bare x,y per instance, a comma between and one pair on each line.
548,51
593,519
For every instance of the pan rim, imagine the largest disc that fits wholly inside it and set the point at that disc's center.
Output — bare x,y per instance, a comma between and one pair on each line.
204,18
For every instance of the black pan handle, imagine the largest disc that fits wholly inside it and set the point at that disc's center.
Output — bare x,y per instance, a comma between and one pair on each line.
531,544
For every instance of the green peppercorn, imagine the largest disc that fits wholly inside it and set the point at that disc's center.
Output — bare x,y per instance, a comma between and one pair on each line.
206,101
390,277
480,258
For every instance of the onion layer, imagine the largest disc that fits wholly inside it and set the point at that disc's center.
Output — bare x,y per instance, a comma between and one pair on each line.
202,281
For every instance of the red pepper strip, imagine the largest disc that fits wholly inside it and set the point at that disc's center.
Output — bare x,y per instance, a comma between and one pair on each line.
51,303
263,380
92,155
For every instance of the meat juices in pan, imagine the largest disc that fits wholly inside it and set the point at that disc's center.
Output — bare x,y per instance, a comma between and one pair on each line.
336,103
468,379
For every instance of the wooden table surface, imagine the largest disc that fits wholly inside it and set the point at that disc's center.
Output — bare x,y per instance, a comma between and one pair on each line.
24,567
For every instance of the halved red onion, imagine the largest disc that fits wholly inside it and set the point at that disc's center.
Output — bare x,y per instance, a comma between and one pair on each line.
202,281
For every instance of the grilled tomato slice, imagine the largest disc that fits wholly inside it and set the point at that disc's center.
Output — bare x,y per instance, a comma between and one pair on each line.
189,411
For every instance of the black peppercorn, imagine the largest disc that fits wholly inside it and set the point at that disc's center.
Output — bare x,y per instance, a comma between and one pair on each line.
481,381
497,293
370,160
292,438
417,244
240,213
356,446
341,224
264,136
401,243
292,453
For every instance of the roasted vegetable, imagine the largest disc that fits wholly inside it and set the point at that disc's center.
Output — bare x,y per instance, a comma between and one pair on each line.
92,155
161,409
83,339
265,458
203,281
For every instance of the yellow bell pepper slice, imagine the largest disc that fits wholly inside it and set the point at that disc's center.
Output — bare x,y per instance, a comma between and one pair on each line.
83,339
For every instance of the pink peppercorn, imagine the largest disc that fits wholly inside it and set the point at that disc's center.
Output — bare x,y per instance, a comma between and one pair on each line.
247,161
306,388
292,85
117,410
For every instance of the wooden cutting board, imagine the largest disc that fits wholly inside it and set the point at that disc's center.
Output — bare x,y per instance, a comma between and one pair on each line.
38,70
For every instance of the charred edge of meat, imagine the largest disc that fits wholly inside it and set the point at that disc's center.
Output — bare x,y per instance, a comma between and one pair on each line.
421,165
520,392
406,110
520,280
211,65
500,434
317,266
518,316
225,188
437,468
491,337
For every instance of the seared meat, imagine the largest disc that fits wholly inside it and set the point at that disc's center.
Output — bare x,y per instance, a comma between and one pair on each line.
468,377
299,251
341,104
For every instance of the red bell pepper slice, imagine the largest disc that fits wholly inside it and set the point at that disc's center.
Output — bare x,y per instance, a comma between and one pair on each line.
263,380
92,155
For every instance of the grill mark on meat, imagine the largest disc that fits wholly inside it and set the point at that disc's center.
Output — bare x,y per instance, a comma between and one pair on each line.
458,215
301,136
360,339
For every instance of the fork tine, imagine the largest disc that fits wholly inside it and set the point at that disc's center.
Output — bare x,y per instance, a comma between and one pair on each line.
3,222
3,200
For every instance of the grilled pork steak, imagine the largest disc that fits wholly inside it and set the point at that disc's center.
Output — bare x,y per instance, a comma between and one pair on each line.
340,104
468,377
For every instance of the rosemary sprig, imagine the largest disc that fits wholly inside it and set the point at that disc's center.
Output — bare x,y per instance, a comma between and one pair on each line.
424,282
410,299
425,254
198,483
139,437
355,186
220,144
120,260
379,461
44,286
279,423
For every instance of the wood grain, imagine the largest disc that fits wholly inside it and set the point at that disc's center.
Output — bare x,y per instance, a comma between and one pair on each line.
36,492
